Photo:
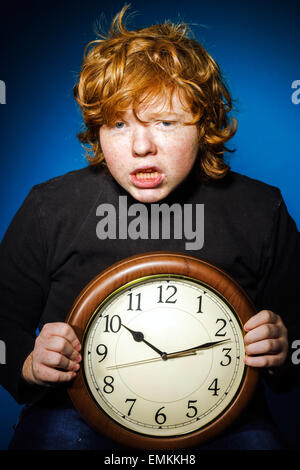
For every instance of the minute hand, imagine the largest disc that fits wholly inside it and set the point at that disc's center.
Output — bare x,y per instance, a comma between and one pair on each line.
196,348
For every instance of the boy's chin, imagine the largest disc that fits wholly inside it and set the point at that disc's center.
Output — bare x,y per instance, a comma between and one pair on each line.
148,195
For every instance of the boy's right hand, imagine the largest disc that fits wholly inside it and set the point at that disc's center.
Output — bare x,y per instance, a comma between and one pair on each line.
55,357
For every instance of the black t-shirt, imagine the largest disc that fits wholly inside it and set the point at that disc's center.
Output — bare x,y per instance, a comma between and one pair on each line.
72,227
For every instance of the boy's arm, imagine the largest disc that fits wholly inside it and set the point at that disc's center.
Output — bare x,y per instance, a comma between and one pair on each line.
270,334
23,293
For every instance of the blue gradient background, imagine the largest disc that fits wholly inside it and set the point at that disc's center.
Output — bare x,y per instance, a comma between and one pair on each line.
256,44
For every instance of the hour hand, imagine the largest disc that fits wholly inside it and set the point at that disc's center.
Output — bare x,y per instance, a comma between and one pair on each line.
138,336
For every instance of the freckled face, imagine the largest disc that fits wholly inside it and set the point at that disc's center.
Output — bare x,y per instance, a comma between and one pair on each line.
150,159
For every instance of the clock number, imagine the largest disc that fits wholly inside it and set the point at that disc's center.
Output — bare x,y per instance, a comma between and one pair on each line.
226,355
112,325
108,387
138,302
160,418
191,407
133,402
102,353
168,300
222,327
214,387
200,304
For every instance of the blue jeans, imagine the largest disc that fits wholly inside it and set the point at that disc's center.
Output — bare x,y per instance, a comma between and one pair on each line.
59,427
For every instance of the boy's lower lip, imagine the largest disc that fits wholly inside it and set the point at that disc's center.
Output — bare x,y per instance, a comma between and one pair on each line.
146,182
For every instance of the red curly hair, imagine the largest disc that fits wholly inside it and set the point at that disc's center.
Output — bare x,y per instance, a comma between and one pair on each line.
130,68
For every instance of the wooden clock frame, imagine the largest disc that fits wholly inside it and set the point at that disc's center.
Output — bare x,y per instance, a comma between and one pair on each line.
131,269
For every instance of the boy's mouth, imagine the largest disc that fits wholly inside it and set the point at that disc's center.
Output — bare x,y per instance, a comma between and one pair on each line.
146,177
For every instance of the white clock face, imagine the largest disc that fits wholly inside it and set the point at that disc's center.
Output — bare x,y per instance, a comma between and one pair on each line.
163,356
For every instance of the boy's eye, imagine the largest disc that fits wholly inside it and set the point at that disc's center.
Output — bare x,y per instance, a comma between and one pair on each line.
167,123
119,125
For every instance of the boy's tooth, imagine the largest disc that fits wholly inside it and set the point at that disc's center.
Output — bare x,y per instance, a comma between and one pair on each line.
143,175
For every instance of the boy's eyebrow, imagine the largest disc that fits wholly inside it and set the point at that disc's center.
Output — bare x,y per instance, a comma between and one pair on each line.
164,114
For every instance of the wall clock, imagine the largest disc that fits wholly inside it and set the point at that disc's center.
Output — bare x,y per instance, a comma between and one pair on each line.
163,349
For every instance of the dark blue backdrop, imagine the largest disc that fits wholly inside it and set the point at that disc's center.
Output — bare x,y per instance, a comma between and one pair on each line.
256,43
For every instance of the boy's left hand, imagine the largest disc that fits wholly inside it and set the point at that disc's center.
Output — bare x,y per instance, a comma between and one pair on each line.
266,340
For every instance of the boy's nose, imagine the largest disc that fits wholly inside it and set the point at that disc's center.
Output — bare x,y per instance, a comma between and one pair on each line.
142,142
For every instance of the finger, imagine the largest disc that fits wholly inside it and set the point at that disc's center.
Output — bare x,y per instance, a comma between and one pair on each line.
61,329
56,360
262,317
268,346
275,360
266,331
63,346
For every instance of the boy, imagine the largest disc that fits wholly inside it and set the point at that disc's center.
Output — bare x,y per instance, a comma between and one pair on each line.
156,111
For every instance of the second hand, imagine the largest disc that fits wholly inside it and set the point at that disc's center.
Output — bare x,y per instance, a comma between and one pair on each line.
145,361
